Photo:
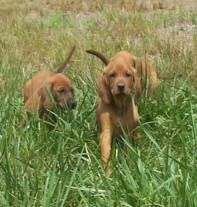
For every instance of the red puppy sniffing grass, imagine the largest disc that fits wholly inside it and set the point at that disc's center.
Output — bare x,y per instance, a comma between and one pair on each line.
47,87
124,75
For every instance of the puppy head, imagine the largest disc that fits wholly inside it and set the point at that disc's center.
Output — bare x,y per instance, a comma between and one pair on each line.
117,80
61,89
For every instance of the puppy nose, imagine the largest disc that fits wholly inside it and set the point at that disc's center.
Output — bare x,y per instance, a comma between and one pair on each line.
121,86
74,104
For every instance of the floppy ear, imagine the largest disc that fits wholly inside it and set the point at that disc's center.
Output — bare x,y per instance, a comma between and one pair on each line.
45,93
141,66
103,89
138,88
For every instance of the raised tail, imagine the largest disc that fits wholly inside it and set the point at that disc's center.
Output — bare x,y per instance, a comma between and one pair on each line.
99,55
60,69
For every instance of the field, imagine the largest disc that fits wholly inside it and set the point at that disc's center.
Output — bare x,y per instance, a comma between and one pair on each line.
62,167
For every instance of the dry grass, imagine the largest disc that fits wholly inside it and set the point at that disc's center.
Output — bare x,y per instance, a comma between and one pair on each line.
28,30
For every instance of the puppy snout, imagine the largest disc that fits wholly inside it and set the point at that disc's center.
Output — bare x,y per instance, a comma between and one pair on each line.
73,104
121,86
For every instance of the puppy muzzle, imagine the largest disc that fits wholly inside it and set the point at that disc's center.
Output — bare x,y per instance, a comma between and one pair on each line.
69,104
121,87
73,104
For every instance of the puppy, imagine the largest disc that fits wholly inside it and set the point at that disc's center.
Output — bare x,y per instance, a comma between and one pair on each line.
124,79
38,90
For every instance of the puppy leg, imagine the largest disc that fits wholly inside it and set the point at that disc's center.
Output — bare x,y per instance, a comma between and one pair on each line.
131,139
105,140
135,123
33,104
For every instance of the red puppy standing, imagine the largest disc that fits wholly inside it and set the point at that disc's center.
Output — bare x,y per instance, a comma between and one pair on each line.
36,96
116,107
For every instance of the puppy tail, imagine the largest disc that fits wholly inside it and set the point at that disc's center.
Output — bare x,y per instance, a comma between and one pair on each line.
167,76
99,55
60,69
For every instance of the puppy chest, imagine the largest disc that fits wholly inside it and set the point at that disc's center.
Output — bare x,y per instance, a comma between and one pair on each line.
126,123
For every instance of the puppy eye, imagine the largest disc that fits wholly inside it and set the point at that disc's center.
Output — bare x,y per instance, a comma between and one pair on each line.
61,91
112,75
127,74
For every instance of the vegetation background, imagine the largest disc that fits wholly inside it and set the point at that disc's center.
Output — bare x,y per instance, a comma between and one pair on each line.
62,167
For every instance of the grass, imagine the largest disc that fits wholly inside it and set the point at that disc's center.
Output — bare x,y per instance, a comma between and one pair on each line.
62,167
